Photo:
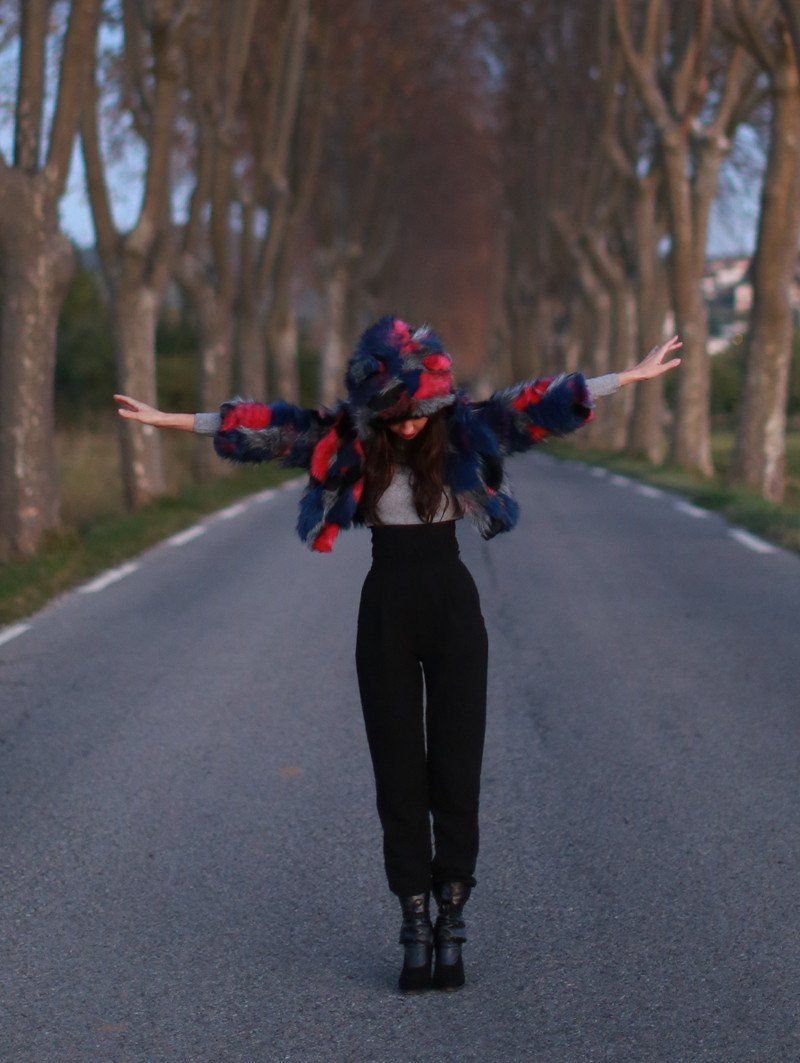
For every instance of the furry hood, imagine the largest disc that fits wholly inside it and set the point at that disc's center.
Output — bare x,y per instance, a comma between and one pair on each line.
397,371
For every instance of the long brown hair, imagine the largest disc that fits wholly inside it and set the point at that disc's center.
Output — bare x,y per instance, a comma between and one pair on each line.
425,456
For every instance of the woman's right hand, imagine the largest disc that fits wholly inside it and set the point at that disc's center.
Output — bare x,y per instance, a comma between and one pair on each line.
134,410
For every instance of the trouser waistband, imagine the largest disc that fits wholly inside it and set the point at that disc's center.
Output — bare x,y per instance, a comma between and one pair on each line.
415,542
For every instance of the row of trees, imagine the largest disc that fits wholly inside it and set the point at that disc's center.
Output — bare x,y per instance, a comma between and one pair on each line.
268,132
620,117
536,178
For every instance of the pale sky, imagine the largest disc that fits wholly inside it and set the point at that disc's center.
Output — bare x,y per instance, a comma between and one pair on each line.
732,231
733,223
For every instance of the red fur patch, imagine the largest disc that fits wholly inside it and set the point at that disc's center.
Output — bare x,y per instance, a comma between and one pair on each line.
324,541
400,331
323,452
247,415
532,395
431,385
436,362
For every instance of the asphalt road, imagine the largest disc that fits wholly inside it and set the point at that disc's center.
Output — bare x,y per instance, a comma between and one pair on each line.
191,858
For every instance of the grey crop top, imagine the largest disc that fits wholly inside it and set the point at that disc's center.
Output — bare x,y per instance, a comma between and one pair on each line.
396,505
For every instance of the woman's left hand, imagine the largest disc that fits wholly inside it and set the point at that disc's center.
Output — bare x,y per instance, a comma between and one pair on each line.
650,365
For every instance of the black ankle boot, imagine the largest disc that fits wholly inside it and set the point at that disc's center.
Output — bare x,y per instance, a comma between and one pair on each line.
416,934
449,934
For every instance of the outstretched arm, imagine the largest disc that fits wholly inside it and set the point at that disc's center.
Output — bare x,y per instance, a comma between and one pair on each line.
245,431
520,416
526,413
251,431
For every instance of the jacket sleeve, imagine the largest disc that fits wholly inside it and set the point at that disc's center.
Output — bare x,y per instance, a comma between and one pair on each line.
245,431
526,413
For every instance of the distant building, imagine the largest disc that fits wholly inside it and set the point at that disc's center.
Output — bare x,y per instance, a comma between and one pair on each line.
728,292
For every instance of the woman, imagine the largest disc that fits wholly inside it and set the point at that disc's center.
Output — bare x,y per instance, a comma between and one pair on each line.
407,454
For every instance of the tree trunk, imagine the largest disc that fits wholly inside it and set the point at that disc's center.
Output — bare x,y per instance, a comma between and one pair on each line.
545,349
525,350
251,348
215,355
618,407
285,348
283,338
334,348
578,338
611,276
691,436
759,459
135,311
36,264
598,432
647,435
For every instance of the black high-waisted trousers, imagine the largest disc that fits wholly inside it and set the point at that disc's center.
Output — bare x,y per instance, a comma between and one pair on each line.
420,616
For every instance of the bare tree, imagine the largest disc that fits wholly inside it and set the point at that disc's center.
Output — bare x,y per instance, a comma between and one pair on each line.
696,96
218,50
138,264
633,152
372,51
569,291
284,167
432,254
759,459
598,325
36,261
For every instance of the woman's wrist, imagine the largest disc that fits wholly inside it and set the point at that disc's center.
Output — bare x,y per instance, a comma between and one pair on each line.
182,421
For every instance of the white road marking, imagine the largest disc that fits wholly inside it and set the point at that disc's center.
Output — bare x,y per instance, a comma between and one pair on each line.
186,536
231,511
751,541
11,632
105,578
693,511
262,496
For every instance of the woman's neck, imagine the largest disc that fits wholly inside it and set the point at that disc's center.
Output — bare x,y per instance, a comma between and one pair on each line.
401,452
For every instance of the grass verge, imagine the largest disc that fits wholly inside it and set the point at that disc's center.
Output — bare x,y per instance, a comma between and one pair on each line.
68,559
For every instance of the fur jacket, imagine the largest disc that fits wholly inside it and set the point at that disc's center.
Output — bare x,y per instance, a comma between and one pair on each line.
399,372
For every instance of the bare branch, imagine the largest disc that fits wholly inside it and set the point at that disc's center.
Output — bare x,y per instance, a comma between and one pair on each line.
75,71
30,86
690,83
105,230
642,71
291,95
265,164
136,94
167,70
751,23
738,80
653,31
